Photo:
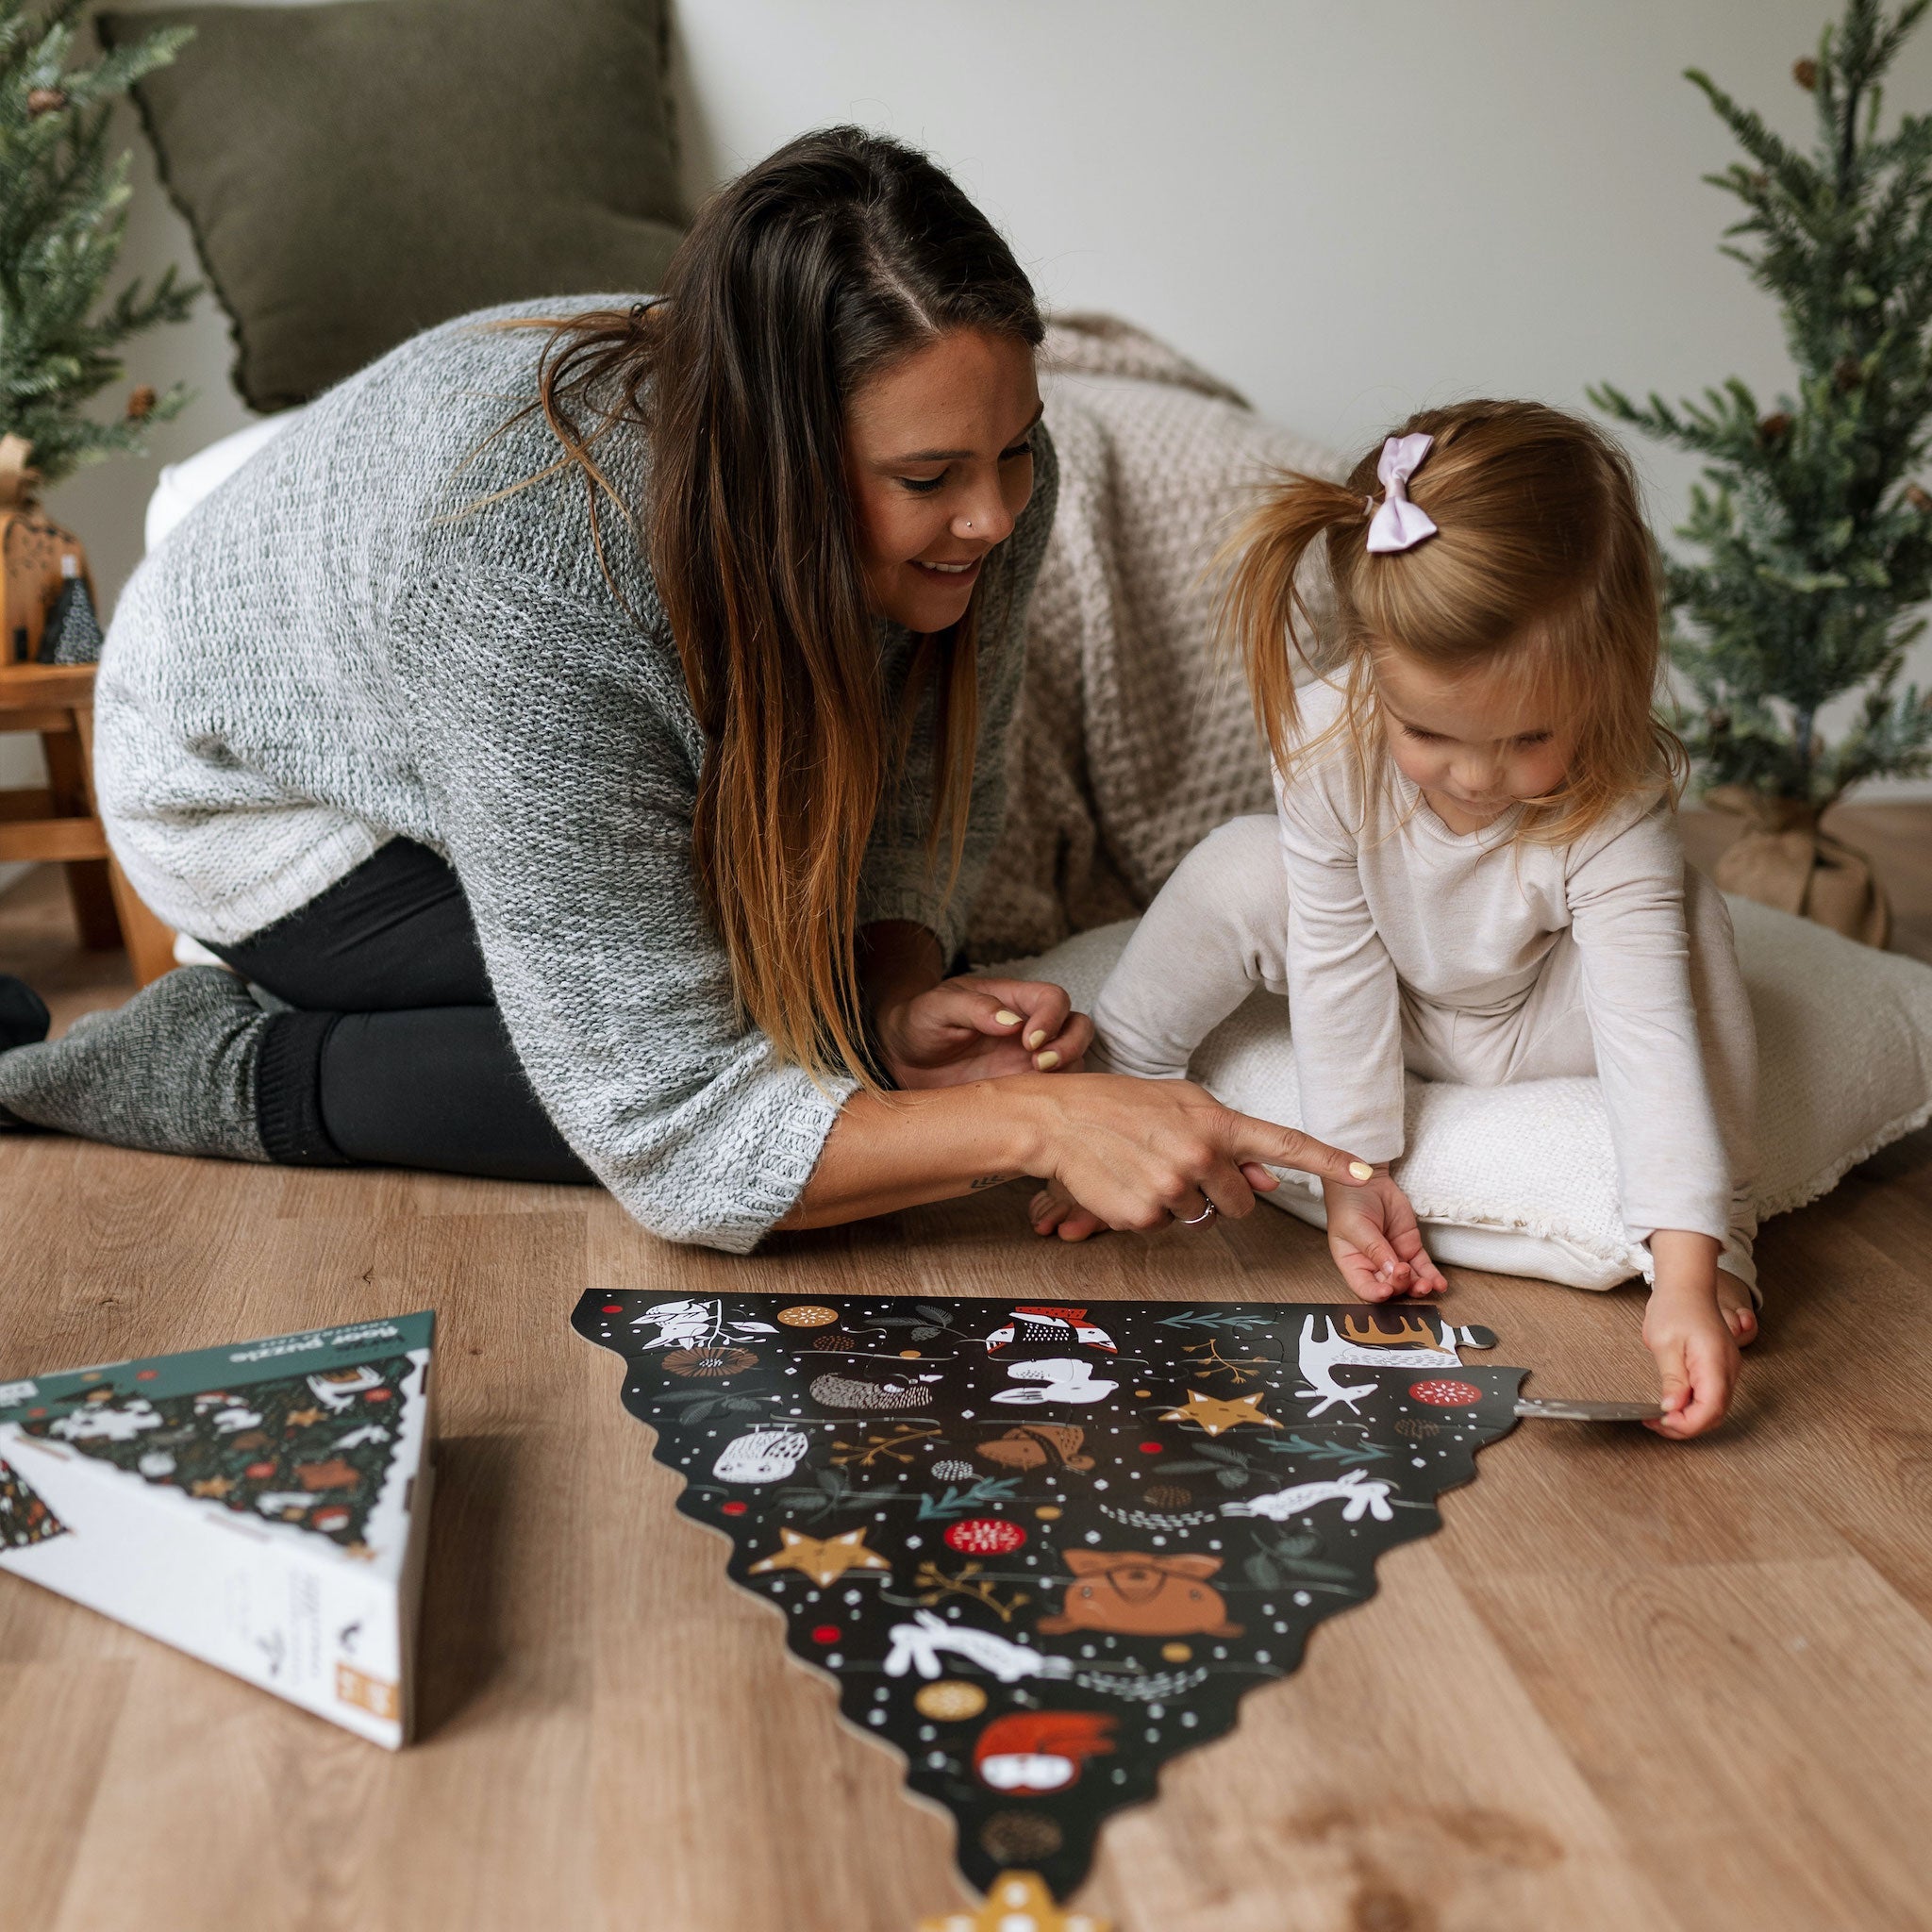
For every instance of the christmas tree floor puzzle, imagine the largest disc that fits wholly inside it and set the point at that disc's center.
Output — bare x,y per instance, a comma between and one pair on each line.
1042,1549
263,1506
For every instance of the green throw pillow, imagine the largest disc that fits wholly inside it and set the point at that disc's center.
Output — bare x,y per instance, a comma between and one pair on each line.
359,170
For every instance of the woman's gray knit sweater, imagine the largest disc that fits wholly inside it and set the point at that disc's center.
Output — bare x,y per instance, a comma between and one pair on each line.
337,647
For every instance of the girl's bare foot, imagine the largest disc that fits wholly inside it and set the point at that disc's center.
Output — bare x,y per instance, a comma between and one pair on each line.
1052,1210
1734,1302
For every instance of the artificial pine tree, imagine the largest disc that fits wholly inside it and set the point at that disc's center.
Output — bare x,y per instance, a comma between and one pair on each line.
63,209
1817,544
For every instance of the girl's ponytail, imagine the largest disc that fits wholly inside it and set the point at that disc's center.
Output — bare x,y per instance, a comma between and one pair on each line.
1262,598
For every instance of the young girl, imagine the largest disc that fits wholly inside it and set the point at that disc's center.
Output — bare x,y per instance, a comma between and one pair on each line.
1473,872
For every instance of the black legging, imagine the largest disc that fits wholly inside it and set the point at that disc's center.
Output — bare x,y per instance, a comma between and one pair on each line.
395,1055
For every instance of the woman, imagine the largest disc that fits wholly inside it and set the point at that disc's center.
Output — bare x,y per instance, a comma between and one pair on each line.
582,739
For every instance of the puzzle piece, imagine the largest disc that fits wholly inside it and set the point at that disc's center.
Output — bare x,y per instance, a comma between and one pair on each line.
1039,1638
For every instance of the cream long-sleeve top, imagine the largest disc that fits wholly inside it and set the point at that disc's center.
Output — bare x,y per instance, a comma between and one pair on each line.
1384,899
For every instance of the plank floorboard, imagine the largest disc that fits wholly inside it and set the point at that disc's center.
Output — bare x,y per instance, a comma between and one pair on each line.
77,1707
1760,1727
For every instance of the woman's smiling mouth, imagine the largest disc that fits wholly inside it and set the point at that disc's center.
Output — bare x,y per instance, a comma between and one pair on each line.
954,571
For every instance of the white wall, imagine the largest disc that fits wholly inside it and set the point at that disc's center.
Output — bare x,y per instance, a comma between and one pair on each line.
1346,211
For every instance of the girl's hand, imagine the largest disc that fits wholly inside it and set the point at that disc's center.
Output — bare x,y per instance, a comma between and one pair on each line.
1141,1153
972,1028
1685,1328
1376,1243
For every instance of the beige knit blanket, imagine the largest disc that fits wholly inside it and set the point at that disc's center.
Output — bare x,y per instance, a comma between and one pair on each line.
1133,738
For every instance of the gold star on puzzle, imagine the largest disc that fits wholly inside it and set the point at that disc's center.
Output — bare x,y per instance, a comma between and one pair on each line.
1016,1902
304,1418
825,1561
213,1486
1217,1415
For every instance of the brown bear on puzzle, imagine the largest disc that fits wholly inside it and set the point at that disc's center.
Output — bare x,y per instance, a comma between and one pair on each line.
1135,1594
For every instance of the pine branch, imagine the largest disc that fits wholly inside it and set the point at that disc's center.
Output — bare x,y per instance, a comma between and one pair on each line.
1798,179
1886,46
64,212
1808,543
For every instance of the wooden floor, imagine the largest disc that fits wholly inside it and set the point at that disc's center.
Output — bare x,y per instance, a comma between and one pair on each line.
1630,1685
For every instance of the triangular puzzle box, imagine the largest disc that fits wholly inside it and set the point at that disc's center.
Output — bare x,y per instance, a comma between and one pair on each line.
262,1505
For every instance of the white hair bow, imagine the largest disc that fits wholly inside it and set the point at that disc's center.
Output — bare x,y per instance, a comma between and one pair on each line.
1399,524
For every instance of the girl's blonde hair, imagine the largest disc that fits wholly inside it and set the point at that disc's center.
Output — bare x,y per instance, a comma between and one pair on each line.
1541,571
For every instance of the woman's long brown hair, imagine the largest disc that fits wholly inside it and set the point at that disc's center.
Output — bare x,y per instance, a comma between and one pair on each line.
809,275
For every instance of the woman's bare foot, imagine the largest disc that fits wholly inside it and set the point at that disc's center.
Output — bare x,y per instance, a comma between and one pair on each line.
1734,1303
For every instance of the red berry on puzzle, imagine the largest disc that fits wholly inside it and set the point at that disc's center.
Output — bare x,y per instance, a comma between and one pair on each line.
1446,1394
985,1536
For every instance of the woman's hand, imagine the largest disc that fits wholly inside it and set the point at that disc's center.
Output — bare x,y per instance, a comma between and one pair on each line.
1139,1154
935,1032
1376,1243
978,1029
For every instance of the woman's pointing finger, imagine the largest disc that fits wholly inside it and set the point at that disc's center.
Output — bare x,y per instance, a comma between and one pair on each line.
1278,1146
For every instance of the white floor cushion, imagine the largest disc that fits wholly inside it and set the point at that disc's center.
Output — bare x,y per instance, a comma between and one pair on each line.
1521,1179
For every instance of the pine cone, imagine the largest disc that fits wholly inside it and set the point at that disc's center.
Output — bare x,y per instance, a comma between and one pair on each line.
141,403
44,100
1805,73
1918,499
1774,428
1848,373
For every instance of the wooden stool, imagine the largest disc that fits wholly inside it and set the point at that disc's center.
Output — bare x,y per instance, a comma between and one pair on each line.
59,821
